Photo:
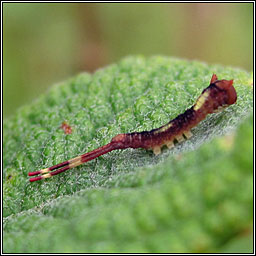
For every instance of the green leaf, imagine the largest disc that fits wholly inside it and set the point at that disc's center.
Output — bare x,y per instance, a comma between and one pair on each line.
194,198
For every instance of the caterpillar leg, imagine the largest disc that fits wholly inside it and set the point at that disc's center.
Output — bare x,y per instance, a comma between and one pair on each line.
169,144
188,134
157,150
179,138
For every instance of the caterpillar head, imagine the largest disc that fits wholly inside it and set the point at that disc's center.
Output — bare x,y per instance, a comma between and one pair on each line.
226,86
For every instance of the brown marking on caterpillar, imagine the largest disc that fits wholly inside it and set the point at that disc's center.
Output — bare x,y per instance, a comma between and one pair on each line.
218,95
66,128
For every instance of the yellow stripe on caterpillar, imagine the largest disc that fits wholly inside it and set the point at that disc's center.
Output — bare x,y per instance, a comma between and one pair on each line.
164,128
45,176
201,100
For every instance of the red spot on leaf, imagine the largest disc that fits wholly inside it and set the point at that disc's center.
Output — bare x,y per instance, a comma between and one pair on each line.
66,128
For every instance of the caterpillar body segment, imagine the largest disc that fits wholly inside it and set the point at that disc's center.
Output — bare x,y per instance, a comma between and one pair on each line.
217,96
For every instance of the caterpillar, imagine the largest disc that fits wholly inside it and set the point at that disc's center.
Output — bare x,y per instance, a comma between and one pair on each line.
218,95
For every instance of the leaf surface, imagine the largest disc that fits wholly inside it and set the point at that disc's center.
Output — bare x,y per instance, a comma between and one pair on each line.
194,198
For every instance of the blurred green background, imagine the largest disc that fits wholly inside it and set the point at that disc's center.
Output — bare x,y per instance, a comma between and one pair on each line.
44,43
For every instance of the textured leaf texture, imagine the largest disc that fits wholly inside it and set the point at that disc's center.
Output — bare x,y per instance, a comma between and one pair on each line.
197,197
